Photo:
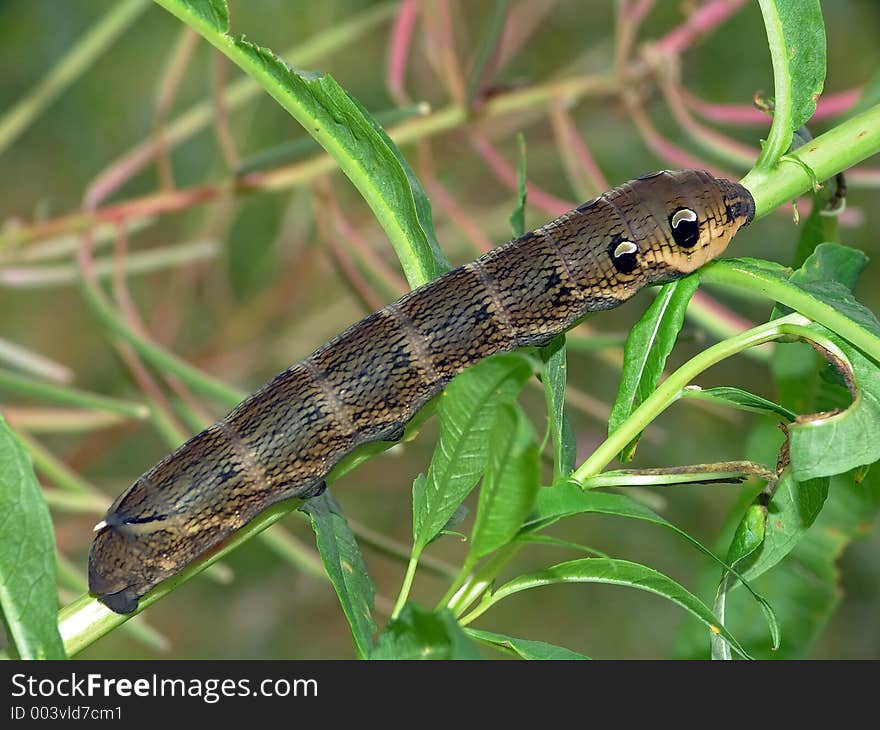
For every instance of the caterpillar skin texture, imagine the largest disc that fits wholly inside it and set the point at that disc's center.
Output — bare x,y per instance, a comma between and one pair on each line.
365,384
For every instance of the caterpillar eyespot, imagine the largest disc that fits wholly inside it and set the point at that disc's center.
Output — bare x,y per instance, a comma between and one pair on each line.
685,227
368,382
623,256
625,247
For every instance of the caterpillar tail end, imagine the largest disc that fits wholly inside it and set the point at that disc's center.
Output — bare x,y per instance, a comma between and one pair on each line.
110,590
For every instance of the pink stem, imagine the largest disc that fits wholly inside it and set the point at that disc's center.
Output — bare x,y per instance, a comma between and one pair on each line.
398,50
829,106
705,19
507,176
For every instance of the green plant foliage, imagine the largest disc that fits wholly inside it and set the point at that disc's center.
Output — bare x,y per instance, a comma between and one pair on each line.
510,484
467,414
784,540
524,648
28,597
345,567
343,128
614,572
739,399
648,345
420,634
554,377
804,32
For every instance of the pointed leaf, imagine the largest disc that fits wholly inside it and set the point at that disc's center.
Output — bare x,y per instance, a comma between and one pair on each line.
467,414
622,573
420,634
524,648
345,567
511,483
648,345
28,597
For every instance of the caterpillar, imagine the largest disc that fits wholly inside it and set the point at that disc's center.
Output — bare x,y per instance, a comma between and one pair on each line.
368,382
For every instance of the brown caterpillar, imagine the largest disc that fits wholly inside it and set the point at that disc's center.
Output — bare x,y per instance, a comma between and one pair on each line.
365,384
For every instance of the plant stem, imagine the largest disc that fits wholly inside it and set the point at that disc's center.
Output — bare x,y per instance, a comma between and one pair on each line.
779,138
670,390
23,385
405,588
838,149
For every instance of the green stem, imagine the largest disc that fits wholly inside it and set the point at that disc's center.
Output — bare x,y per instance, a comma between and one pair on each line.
729,274
483,579
670,390
406,587
845,145
779,138
23,385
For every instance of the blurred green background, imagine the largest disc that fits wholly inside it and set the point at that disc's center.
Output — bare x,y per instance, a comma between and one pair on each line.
273,291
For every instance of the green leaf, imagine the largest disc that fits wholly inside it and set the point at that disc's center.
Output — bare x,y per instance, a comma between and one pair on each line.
213,12
420,634
804,31
796,365
616,572
553,376
805,587
832,443
511,482
796,36
793,507
748,538
345,567
343,128
518,217
467,413
648,345
826,444
568,499
740,399
28,596
524,648
829,305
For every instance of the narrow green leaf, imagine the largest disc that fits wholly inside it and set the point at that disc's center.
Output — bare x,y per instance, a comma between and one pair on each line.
804,31
28,596
740,399
489,43
524,648
747,539
467,413
213,12
511,482
648,345
518,217
554,376
345,567
420,634
793,507
796,36
622,573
